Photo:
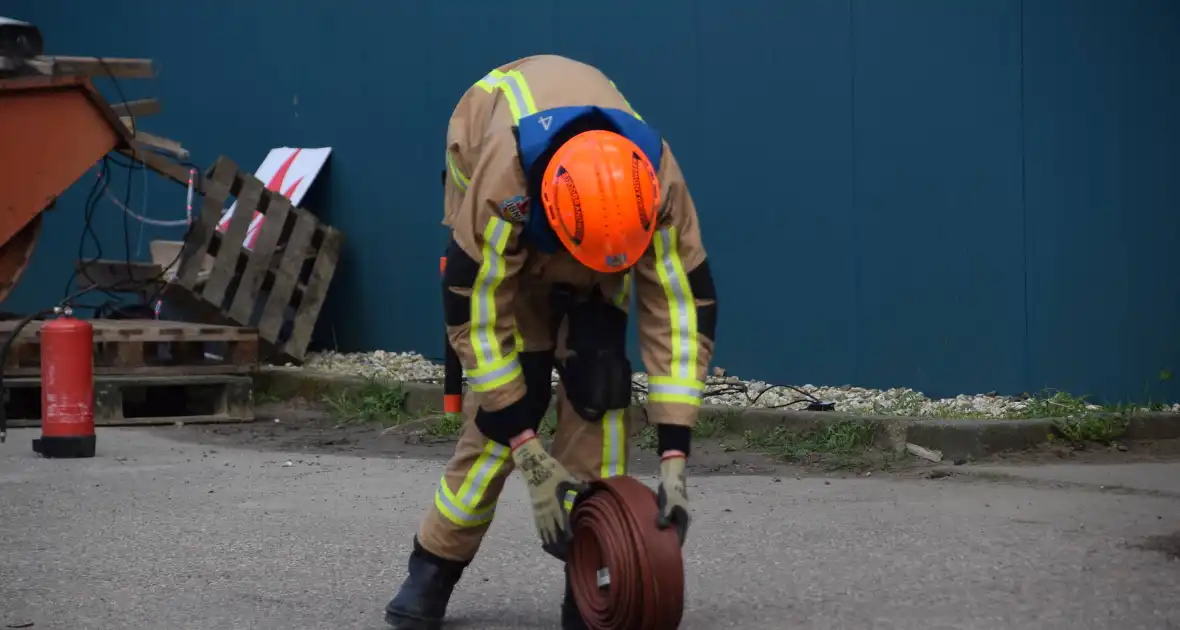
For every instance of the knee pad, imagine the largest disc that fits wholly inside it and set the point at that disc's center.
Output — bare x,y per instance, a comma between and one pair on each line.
597,377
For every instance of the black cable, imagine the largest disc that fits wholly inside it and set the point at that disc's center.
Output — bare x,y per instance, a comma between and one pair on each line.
96,194
127,194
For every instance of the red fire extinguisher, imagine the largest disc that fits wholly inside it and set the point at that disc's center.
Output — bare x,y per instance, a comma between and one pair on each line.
67,388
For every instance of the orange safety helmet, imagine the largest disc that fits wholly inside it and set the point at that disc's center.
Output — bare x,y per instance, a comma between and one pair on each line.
600,195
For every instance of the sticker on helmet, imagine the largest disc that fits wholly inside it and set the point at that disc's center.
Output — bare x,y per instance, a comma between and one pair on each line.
616,260
637,186
516,209
579,221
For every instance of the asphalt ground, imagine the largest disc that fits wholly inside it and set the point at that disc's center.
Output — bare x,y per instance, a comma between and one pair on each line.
157,533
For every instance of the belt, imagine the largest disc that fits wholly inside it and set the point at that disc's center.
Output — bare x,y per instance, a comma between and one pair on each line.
626,573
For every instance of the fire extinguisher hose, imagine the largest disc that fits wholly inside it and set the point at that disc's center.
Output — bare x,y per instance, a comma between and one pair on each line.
624,570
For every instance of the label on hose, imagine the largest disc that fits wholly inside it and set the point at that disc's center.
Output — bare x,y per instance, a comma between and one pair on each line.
603,577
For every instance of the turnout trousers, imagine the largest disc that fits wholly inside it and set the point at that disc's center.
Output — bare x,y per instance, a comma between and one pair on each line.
465,500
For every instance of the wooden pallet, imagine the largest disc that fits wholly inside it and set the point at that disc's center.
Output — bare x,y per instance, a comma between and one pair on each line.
146,347
279,287
138,400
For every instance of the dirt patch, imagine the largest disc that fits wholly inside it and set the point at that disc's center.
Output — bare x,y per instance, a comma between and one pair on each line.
306,429
1120,453
1168,545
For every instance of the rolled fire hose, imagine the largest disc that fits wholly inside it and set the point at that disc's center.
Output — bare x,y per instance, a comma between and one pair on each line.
626,573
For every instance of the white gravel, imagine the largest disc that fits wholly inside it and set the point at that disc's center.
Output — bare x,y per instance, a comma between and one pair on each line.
724,390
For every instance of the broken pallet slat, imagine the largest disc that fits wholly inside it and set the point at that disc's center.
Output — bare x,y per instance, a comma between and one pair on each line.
216,190
274,314
258,263
117,67
314,293
226,262
145,140
160,164
137,108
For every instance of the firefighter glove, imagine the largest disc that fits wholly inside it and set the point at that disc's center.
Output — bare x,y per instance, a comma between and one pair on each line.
548,483
672,496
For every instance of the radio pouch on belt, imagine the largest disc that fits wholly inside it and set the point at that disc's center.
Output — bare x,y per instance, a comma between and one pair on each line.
597,375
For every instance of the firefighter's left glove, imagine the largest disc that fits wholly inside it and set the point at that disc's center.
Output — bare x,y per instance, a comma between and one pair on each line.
548,483
672,495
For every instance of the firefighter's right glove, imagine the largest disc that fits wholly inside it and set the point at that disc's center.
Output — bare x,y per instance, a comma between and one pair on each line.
548,483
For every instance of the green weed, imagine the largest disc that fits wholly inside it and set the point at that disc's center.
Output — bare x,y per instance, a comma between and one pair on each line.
371,401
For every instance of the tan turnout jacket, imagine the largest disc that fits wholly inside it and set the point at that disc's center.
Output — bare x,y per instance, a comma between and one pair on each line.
507,311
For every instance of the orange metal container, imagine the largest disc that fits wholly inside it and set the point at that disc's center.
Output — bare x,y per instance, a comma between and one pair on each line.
53,130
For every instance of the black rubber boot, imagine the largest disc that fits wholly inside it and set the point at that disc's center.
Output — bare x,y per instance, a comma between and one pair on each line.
571,619
421,602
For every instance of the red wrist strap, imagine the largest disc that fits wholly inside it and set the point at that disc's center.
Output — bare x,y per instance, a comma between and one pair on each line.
671,453
525,436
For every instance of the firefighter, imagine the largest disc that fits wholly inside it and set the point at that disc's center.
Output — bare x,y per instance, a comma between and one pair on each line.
560,199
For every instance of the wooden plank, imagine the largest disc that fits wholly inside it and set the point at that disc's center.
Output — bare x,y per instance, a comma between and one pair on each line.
278,209
225,265
231,399
139,330
117,67
160,164
146,141
110,274
286,276
314,293
196,245
137,108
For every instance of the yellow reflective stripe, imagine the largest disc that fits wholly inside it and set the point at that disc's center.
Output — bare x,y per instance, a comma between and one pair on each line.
681,308
625,102
570,495
623,297
515,89
483,297
462,507
457,176
614,441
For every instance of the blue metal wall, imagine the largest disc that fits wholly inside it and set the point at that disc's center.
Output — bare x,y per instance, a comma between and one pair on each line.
951,196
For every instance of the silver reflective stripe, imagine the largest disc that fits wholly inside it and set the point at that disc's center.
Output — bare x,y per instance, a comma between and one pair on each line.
497,454
469,517
491,377
508,82
673,390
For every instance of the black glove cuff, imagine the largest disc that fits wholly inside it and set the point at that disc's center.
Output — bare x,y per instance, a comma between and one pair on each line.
673,437
503,425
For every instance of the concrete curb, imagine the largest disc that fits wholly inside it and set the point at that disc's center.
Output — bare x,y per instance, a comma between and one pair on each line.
956,439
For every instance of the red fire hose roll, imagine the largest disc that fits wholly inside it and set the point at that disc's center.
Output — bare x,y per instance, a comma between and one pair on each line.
616,543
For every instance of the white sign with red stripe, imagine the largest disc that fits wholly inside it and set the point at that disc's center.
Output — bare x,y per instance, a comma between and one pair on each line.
287,171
